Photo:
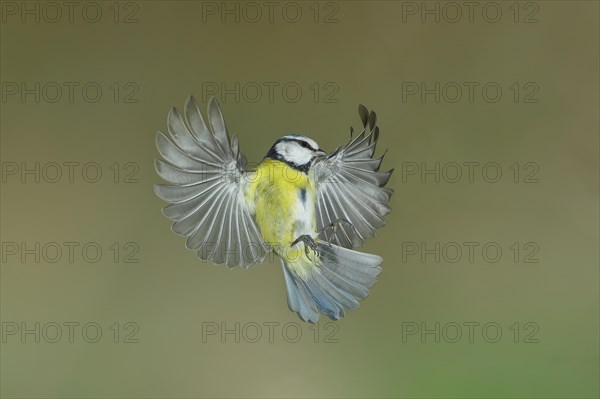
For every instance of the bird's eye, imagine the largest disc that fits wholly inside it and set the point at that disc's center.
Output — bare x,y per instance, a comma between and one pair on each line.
304,144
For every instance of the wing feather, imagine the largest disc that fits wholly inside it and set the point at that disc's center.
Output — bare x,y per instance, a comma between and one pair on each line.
351,187
176,156
205,171
219,129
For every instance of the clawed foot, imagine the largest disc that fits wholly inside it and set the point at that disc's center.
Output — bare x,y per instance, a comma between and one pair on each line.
334,228
309,242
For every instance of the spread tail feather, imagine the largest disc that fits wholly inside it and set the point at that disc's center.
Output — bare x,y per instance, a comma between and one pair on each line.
342,279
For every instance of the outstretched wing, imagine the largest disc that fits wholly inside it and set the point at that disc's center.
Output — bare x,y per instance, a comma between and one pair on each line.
350,188
207,177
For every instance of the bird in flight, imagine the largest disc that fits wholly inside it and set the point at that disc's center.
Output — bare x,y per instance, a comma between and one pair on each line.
310,208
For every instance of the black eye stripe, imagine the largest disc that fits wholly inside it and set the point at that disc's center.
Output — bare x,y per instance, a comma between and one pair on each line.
302,143
305,144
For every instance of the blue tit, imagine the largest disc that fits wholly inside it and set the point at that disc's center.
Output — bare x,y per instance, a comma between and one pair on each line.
310,208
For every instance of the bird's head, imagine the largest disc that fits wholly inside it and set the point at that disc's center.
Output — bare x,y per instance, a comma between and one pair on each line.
296,150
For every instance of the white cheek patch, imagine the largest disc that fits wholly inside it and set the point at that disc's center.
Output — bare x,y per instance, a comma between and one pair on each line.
294,153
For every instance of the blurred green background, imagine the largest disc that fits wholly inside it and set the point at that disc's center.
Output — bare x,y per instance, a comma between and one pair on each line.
365,54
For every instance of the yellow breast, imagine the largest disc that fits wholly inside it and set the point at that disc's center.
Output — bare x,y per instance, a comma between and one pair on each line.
284,206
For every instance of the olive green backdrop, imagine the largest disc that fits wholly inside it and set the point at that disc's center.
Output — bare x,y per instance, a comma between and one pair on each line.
376,53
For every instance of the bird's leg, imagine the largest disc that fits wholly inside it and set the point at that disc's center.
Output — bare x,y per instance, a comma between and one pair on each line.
333,226
309,242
